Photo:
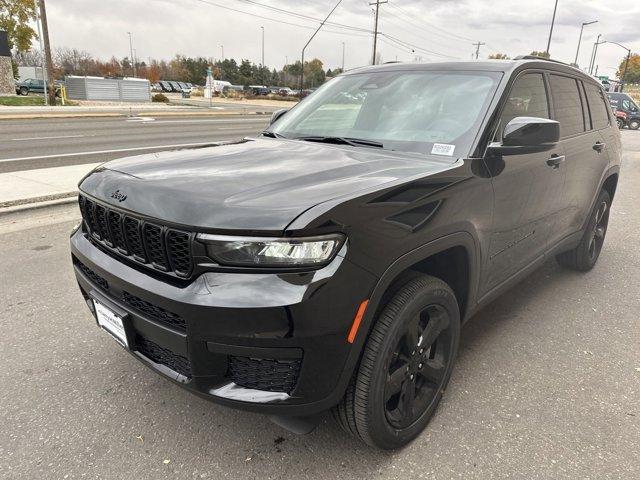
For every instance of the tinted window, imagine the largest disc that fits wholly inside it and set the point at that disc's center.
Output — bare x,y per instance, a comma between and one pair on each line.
567,105
597,106
528,98
410,111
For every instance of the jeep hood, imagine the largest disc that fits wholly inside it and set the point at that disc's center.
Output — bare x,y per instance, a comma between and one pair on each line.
255,185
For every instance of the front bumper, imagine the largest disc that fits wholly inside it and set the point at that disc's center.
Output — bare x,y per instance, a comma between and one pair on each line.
267,342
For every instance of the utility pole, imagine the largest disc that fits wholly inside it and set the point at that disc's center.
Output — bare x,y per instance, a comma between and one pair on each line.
580,39
553,21
478,45
131,54
44,63
49,82
594,52
377,3
309,41
342,57
262,46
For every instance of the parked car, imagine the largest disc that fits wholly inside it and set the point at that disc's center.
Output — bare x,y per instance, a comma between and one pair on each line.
30,85
285,92
623,102
184,87
166,86
621,118
156,87
175,86
330,262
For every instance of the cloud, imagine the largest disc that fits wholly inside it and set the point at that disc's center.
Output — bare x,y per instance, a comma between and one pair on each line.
163,28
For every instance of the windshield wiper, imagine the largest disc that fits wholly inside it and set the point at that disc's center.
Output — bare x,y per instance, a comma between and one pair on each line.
354,142
269,134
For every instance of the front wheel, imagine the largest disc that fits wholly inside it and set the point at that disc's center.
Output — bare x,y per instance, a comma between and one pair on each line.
634,124
586,254
406,365
24,91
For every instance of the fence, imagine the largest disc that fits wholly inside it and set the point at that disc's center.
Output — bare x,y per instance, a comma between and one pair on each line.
108,89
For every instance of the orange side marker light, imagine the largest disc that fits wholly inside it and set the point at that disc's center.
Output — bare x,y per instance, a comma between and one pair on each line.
356,321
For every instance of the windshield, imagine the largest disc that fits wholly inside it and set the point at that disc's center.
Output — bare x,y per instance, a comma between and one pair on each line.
428,112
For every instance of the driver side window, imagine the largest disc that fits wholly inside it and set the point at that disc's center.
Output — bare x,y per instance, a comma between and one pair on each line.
528,98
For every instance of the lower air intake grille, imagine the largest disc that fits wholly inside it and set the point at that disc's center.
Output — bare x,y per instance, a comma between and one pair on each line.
155,312
93,276
264,373
163,356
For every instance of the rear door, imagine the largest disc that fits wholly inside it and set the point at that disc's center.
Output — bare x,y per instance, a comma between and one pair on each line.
583,157
527,188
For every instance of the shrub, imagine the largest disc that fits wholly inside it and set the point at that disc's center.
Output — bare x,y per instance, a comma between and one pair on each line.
160,97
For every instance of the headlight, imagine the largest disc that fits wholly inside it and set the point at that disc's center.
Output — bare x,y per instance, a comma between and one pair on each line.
272,252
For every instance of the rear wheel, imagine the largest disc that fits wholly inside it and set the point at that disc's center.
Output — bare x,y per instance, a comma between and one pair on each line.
634,124
406,365
586,254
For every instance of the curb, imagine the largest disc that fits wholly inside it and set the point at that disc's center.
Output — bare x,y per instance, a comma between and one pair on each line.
39,202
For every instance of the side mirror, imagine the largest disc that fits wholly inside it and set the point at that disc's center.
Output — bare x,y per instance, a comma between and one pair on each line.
528,135
277,114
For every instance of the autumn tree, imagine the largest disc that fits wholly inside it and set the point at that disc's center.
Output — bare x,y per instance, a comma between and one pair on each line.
499,56
633,69
15,18
535,53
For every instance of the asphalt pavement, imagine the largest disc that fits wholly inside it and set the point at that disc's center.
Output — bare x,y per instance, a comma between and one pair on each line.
43,143
547,383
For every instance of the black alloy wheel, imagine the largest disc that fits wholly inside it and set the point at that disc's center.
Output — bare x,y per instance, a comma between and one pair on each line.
406,364
586,254
416,367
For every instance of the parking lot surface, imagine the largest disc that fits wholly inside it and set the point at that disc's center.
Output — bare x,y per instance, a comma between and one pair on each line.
547,383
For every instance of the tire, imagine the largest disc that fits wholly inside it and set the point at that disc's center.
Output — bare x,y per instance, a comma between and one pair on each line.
634,124
585,255
423,317
24,91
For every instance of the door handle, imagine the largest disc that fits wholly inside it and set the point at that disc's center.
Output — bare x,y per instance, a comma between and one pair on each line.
599,146
555,160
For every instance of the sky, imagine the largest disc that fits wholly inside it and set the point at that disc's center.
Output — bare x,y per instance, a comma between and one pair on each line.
426,30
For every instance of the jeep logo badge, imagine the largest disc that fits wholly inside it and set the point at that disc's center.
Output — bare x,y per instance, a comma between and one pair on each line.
121,197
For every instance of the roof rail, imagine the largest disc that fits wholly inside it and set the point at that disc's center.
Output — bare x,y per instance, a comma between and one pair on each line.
535,57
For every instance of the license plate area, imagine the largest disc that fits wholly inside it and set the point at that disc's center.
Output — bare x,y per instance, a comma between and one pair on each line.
114,321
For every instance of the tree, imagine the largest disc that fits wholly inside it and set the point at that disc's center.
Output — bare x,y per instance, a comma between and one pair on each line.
535,53
499,56
314,75
15,19
633,69
14,68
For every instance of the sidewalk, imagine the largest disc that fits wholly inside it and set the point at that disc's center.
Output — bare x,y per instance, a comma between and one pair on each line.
36,186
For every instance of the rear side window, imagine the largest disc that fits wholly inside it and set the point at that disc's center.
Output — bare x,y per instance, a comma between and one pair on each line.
528,98
567,105
597,106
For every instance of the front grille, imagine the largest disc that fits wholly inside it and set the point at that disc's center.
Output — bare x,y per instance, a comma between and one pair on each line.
158,354
156,246
92,276
264,373
154,312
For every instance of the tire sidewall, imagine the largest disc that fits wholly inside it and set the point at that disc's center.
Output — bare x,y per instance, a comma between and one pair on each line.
385,435
584,258
634,124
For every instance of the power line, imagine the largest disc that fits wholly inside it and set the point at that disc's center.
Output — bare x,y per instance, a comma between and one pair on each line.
416,47
410,19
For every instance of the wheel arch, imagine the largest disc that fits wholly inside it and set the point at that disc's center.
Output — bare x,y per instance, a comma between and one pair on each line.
610,184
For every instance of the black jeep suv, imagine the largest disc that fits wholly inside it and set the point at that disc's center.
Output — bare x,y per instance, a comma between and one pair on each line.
330,263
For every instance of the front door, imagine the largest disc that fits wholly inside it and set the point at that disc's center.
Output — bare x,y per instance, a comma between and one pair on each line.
527,189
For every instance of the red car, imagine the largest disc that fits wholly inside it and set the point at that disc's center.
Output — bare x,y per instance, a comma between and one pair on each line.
621,118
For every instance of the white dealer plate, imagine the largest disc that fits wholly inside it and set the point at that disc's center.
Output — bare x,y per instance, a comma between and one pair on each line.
111,322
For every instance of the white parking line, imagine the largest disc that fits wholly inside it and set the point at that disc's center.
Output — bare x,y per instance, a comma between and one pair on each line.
98,152
45,138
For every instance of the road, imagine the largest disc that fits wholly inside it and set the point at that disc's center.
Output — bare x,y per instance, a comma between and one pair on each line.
547,383
42,143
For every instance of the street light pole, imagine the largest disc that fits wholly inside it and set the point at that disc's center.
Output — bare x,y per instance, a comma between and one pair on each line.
553,21
131,53
342,57
593,53
580,39
262,64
